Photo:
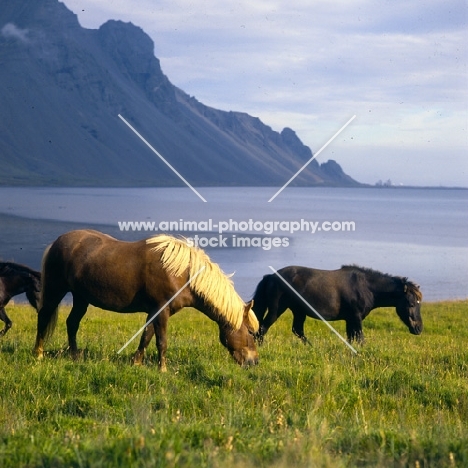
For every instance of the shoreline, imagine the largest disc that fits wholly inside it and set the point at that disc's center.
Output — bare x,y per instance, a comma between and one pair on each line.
359,185
23,240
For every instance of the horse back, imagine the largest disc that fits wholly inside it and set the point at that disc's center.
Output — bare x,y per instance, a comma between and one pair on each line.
80,250
106,272
332,292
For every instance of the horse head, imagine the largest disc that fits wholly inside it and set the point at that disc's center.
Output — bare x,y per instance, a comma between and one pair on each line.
409,307
240,343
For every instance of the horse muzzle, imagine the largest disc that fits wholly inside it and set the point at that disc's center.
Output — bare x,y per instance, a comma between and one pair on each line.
415,328
247,358
251,361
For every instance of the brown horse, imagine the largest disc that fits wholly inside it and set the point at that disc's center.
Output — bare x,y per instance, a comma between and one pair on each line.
349,294
17,279
142,276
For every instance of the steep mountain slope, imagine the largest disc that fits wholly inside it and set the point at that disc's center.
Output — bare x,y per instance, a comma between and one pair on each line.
64,86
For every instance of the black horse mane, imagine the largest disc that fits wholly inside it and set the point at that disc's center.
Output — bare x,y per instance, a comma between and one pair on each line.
10,268
369,271
411,287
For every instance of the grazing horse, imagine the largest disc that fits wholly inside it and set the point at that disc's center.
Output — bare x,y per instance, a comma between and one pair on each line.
145,276
347,294
17,279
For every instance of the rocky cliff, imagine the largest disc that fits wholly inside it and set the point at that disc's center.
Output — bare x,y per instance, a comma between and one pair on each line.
63,87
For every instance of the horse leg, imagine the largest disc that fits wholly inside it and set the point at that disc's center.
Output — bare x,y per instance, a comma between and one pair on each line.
265,323
148,333
4,318
160,330
298,326
354,329
274,313
73,322
268,321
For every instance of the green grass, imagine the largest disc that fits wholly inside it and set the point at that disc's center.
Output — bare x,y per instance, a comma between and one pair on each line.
402,401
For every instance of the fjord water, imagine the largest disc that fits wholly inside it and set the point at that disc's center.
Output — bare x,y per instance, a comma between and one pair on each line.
418,233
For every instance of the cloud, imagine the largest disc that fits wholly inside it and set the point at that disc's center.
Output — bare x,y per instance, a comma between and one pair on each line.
12,31
302,53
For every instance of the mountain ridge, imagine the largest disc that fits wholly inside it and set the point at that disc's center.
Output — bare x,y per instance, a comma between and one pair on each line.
66,85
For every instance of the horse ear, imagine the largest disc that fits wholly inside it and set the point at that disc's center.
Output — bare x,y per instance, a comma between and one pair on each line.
247,308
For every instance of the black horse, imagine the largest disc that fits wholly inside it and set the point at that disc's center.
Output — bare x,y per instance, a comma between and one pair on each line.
17,279
349,294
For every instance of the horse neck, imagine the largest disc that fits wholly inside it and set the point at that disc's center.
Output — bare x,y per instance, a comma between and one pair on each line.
385,291
207,309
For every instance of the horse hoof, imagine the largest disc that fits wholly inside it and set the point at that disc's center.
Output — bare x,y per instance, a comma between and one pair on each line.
137,359
76,355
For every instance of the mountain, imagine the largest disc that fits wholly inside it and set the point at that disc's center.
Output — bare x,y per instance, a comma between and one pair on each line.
64,86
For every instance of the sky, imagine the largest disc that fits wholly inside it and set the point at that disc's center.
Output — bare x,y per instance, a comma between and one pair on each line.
400,67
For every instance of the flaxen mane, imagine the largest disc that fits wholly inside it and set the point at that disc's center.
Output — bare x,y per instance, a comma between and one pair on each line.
211,283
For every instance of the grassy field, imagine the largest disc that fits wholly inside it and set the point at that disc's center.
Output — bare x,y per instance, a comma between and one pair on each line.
402,401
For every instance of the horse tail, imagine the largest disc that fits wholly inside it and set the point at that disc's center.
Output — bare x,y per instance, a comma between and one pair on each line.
260,297
33,293
48,317
32,298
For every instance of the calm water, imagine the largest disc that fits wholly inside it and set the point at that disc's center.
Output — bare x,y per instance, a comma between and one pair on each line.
417,233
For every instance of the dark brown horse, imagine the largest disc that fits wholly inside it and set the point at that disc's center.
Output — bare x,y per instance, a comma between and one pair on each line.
17,279
141,276
347,294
